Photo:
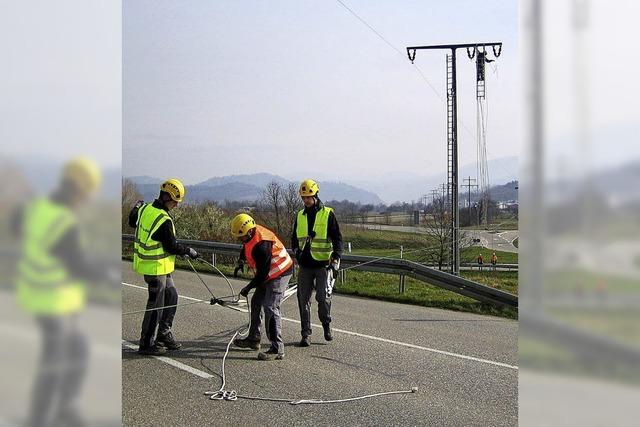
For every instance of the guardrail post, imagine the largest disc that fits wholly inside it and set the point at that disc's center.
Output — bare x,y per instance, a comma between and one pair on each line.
343,273
213,258
402,276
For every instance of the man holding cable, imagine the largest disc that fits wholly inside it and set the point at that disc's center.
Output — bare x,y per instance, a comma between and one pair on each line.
154,255
317,243
268,257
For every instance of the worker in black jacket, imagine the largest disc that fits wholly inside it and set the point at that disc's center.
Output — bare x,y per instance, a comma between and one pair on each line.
317,244
155,249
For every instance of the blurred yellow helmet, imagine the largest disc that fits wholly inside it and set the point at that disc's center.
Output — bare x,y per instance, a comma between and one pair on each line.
84,173
174,188
309,188
241,224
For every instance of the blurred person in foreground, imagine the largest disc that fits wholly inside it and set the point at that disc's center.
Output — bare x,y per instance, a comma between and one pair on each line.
51,285
265,254
154,257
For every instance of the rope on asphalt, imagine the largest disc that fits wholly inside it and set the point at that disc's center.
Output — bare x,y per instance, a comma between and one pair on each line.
231,395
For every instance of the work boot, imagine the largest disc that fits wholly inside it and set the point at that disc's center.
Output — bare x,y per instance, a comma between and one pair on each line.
167,341
270,354
327,332
152,350
247,343
304,342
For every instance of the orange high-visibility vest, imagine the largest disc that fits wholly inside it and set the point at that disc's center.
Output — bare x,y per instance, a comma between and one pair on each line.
280,259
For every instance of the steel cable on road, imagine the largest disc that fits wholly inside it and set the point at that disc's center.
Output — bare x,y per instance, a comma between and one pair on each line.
231,395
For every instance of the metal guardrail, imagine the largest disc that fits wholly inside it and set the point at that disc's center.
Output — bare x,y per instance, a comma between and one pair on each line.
488,267
405,267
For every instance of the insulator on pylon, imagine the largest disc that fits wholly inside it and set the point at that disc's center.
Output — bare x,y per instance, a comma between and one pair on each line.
480,62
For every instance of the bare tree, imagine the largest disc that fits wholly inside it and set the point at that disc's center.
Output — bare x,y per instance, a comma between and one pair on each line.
277,208
272,201
292,204
437,221
130,195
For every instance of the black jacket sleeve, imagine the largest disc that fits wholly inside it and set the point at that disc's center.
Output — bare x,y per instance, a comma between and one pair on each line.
294,235
133,217
164,235
261,254
335,235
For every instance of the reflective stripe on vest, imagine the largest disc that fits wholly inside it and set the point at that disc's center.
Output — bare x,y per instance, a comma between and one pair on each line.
280,259
43,282
149,257
321,246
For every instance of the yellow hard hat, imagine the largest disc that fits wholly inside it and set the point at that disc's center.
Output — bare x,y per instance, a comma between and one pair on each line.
84,173
241,224
174,188
309,188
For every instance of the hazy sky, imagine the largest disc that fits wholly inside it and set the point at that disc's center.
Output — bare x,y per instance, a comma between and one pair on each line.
61,81
304,87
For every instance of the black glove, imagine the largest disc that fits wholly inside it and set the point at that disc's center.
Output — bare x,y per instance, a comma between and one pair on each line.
192,253
239,267
297,253
138,204
245,291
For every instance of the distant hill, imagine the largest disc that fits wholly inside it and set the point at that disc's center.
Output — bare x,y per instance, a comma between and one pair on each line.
257,180
407,186
505,192
249,188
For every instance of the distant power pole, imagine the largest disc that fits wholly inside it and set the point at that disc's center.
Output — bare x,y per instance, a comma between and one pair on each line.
452,137
469,185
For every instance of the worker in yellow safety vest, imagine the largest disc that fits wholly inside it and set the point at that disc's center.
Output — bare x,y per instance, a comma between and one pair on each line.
317,244
267,256
154,253
53,270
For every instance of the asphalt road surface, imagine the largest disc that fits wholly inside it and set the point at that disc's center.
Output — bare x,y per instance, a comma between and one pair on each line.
464,365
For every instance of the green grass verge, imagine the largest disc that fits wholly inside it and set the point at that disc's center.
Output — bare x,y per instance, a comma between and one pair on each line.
589,281
380,239
620,324
385,287
470,254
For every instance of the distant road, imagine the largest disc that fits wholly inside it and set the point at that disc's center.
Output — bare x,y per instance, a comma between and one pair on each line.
501,241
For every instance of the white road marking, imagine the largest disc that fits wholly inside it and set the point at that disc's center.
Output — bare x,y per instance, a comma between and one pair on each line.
374,338
174,363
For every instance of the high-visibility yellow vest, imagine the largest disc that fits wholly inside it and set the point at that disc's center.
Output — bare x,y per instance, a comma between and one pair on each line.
43,282
149,257
321,247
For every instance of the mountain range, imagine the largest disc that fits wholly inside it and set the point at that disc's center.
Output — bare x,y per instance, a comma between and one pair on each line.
249,188
407,186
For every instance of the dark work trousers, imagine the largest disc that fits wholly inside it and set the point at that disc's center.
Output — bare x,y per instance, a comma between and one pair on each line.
310,279
268,297
162,292
61,371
